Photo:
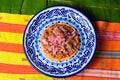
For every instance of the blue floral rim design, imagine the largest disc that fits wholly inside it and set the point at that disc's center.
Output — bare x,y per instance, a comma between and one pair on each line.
67,15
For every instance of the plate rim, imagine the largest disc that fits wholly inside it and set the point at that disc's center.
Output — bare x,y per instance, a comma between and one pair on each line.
64,76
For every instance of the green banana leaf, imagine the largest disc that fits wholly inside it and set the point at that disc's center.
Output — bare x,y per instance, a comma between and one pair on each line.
107,10
33,6
28,7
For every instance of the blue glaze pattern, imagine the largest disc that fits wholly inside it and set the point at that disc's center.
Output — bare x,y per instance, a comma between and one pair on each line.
67,15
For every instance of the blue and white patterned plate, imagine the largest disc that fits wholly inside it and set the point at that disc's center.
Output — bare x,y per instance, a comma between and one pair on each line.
52,15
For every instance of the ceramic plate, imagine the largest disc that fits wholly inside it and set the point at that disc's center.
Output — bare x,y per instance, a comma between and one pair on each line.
67,15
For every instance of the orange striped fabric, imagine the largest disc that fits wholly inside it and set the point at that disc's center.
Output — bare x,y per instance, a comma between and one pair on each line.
107,26
95,64
14,63
6,27
89,77
9,47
